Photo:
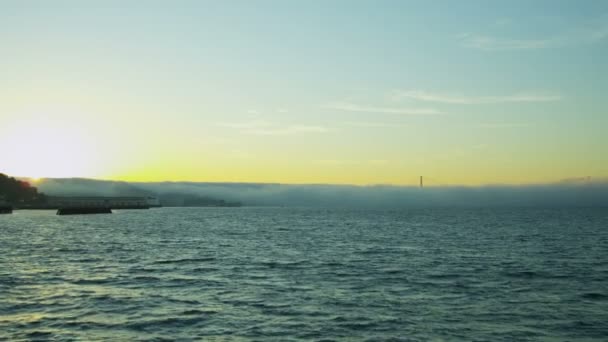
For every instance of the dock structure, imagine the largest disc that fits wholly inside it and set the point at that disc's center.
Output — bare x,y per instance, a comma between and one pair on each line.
99,202
97,205
83,211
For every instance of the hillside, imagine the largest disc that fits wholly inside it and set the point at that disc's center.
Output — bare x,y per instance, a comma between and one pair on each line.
16,191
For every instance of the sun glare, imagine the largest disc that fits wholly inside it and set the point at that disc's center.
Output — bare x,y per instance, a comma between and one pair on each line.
44,148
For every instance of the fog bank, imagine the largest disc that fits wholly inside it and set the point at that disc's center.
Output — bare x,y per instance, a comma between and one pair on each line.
563,194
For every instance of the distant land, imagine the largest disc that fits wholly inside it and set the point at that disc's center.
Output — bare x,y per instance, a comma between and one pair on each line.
575,192
20,192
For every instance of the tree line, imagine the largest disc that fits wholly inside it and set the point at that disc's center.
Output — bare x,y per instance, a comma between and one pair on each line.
16,191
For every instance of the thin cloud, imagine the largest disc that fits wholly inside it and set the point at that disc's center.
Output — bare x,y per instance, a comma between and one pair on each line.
268,128
336,162
288,130
576,36
378,162
339,162
504,125
489,43
351,107
368,124
421,95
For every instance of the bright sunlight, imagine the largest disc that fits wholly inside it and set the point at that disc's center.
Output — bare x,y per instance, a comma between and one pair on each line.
43,148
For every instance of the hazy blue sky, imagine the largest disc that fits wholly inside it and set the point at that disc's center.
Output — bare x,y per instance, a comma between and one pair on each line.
362,92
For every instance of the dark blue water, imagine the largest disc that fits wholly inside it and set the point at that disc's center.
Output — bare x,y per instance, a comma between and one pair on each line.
306,274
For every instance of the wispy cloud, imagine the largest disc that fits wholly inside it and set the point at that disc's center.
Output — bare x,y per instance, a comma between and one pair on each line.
371,124
504,125
339,162
575,36
268,128
335,162
490,43
257,112
378,162
421,95
352,107
288,130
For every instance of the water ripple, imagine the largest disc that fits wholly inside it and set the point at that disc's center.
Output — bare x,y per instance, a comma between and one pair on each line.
305,274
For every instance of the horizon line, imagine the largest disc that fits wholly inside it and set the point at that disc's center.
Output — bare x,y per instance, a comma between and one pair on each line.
563,181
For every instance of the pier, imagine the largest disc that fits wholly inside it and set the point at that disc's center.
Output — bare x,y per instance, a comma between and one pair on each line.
99,202
82,211
97,205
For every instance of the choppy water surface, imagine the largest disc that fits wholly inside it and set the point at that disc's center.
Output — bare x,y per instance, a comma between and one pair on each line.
305,274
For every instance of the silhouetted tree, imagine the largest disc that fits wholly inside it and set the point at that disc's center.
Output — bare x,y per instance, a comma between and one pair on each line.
19,192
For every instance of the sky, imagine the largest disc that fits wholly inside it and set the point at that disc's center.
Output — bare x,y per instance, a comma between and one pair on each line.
340,92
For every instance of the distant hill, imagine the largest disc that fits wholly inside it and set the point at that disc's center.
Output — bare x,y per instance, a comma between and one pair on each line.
168,196
577,192
89,187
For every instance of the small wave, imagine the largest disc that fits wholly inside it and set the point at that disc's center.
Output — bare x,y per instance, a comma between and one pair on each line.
264,305
92,281
444,276
332,264
71,250
594,296
370,251
283,265
345,274
522,274
86,259
204,269
359,325
146,278
182,261
392,271
197,312
181,282
255,276
84,325
40,334
293,312
183,301
170,321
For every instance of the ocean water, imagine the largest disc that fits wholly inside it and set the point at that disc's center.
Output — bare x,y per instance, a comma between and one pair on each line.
281,274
